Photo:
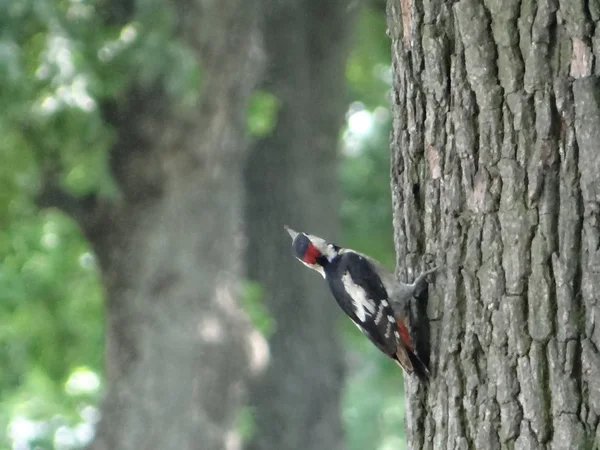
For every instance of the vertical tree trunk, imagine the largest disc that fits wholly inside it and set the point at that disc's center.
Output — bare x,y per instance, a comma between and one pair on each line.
495,170
291,178
169,252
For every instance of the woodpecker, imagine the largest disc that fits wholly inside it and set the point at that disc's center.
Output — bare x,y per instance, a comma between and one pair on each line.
375,301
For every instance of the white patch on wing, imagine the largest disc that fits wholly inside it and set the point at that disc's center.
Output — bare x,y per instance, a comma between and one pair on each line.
362,304
388,330
379,315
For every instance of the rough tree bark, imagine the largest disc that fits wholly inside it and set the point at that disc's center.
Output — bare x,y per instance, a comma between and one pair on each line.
495,171
169,250
291,178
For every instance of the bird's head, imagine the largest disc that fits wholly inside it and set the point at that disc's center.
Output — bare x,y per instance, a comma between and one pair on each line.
312,251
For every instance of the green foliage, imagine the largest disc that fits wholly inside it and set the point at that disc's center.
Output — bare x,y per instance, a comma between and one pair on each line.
368,67
263,108
246,424
252,302
366,211
156,56
373,403
51,303
59,61
373,406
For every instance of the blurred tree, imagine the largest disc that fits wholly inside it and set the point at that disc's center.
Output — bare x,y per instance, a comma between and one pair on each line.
291,178
495,171
61,63
159,197
169,249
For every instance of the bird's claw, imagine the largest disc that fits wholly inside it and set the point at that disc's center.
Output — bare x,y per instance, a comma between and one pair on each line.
426,273
421,283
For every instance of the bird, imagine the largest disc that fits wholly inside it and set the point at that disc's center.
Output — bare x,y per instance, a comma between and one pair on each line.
371,296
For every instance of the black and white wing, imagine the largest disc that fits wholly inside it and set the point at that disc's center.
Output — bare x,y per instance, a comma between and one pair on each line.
363,297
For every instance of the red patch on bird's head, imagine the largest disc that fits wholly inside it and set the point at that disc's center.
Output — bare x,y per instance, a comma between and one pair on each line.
311,254
305,250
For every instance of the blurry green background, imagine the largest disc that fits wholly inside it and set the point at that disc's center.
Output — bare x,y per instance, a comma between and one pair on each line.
51,301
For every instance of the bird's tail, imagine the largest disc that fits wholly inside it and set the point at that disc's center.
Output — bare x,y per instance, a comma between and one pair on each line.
420,369
411,363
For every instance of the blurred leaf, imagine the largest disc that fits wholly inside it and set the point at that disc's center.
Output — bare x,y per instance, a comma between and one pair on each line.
263,108
373,401
366,208
252,303
246,424
368,70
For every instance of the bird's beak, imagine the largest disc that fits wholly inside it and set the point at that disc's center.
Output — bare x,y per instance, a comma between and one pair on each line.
291,232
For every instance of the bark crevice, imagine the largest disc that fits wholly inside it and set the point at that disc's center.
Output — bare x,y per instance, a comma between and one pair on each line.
516,204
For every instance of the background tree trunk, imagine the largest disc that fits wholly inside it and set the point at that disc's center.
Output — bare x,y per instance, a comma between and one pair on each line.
170,250
291,178
495,170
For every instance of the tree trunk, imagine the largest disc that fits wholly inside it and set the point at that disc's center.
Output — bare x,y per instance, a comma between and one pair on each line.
291,178
169,252
495,171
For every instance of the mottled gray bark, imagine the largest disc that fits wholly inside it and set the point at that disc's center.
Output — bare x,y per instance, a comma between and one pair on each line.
169,249
291,178
496,172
